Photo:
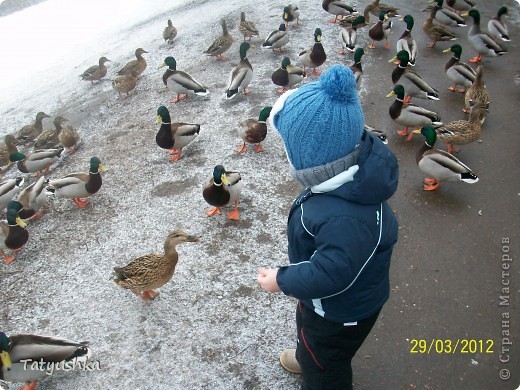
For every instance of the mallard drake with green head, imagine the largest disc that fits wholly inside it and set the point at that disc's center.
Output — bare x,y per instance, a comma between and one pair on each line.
477,93
460,5
462,132
410,115
337,8
247,28
96,72
174,136
221,43
253,131
406,41
29,133
19,351
146,273
291,13
287,76
434,31
314,56
13,235
375,8
497,27
447,17
80,185
135,67
68,135
124,84
356,68
37,160
483,43
440,165
180,82
414,85
380,30
277,39
9,188
223,189
169,32
348,35
6,150
458,72
241,75
33,199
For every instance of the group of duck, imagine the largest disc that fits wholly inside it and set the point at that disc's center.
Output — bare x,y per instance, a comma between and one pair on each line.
438,165
146,273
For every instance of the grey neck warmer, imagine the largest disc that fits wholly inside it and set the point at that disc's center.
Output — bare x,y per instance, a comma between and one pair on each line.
313,176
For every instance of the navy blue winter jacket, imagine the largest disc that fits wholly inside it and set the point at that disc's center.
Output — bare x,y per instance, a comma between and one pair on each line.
341,239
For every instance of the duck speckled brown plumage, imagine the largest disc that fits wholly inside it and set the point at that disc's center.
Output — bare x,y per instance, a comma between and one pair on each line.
169,32
146,273
50,138
434,31
6,150
29,133
477,93
137,66
247,28
95,72
462,132
220,44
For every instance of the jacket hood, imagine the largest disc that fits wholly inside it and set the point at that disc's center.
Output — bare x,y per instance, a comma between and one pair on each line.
377,177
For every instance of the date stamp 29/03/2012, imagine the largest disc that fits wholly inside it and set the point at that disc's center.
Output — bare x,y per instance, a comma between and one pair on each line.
449,346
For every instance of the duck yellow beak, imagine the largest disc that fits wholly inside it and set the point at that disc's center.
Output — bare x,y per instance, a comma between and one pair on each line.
390,94
393,59
102,168
158,119
464,14
447,50
417,131
224,179
6,360
20,222
162,65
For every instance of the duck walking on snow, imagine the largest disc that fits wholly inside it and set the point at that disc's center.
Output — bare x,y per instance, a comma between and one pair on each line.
254,131
96,72
146,273
277,39
337,8
220,44
180,82
169,32
174,136
287,76
241,75
223,188
313,56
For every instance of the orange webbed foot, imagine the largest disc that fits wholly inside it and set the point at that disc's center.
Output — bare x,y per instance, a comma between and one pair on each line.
371,46
463,90
81,202
258,148
407,99
410,136
281,90
149,295
431,186
213,211
316,72
234,215
452,88
175,154
247,91
403,132
29,386
8,259
241,149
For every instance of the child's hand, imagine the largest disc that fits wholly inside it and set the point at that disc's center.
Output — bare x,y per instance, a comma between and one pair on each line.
267,279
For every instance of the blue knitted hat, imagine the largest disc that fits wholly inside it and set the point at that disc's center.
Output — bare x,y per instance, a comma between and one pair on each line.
321,121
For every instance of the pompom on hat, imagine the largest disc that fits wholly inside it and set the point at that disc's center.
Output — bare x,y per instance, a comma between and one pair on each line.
321,123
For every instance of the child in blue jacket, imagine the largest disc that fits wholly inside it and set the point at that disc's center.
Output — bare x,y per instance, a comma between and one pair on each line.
340,230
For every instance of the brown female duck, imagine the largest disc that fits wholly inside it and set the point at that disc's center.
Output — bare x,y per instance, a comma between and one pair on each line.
29,133
137,66
146,273
96,72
